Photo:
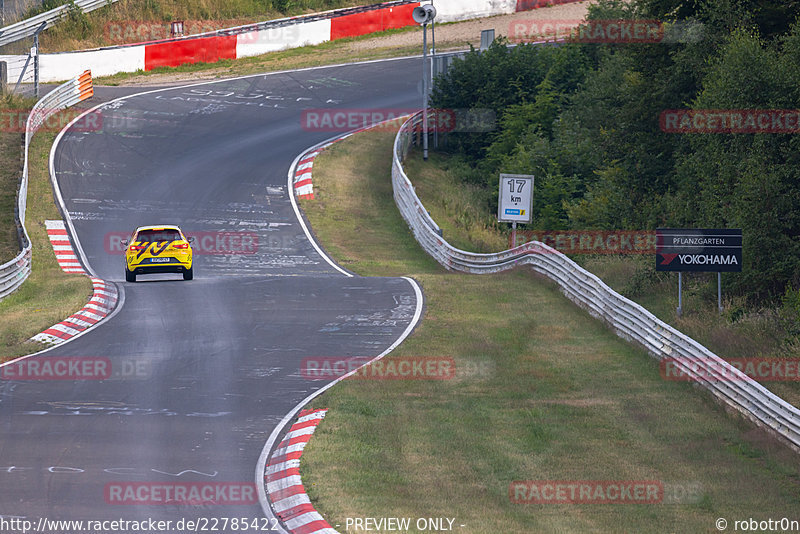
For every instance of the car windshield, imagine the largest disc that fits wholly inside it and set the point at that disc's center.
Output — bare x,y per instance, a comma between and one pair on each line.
151,236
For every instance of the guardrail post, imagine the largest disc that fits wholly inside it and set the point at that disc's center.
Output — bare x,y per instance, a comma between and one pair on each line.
36,66
3,77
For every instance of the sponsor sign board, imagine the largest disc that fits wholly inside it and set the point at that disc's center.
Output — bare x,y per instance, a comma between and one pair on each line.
699,250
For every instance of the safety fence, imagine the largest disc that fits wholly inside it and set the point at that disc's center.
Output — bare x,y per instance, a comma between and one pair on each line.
628,319
16,271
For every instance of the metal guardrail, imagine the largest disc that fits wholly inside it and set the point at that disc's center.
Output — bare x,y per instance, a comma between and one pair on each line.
289,21
26,28
16,271
628,319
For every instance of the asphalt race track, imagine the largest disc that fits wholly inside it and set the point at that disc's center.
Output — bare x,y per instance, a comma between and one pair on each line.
202,370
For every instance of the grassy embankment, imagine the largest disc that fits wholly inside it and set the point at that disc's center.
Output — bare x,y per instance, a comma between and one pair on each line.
739,332
566,399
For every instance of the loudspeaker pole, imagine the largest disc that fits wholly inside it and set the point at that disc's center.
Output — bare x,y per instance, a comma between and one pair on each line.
424,15
425,92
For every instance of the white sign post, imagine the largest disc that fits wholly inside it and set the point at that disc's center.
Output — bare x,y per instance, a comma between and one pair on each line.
515,201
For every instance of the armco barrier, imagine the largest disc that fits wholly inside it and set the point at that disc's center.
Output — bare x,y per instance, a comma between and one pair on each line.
262,37
16,271
627,318
26,28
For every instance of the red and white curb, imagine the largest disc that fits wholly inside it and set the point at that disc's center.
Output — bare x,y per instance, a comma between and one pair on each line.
65,256
282,477
103,300
303,187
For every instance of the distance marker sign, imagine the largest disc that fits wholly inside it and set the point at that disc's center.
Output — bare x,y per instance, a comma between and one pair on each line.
515,201
707,250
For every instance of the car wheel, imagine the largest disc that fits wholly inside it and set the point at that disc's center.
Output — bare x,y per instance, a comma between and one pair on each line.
129,276
188,274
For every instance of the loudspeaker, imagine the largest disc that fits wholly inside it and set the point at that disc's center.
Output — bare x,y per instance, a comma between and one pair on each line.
424,14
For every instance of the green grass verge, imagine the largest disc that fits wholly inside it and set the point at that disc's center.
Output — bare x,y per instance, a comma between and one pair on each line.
49,295
566,400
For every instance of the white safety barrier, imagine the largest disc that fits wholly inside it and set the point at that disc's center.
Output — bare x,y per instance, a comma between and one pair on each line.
16,271
628,319
458,10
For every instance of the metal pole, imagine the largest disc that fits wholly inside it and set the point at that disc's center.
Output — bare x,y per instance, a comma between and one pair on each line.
680,293
3,76
21,74
433,60
433,34
514,234
425,92
719,291
36,67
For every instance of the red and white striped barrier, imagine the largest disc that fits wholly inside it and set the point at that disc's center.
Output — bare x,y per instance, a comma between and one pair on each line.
62,247
303,185
282,477
256,39
103,300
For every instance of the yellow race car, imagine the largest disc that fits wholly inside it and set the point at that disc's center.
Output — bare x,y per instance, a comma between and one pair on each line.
158,249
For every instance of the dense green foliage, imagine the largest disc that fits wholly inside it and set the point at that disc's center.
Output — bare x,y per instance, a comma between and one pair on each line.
584,119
